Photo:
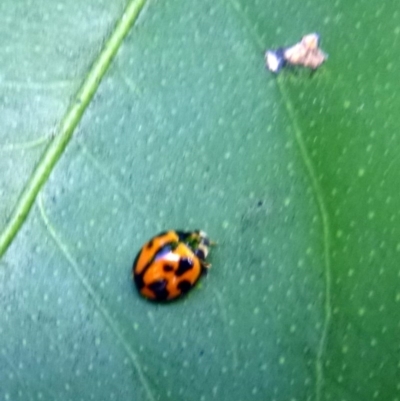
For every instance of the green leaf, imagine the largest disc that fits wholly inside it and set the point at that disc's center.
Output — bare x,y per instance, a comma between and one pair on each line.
294,176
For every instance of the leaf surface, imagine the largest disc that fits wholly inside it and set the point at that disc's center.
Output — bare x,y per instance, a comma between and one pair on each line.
295,177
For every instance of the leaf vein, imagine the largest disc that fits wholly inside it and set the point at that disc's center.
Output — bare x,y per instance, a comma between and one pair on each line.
92,295
15,85
67,125
326,240
106,174
34,143
321,206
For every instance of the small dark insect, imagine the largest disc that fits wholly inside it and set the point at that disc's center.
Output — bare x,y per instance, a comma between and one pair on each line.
305,53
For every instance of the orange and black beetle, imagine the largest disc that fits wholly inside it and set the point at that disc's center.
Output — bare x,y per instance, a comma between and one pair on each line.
170,264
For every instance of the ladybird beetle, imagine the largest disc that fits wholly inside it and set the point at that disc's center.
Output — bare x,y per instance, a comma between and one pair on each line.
170,264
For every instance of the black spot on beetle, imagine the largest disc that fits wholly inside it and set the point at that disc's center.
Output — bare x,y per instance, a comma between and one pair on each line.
150,244
159,288
139,281
184,286
158,285
200,254
183,235
168,268
185,265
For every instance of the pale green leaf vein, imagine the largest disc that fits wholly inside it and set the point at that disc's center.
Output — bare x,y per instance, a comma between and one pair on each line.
321,206
113,182
34,143
35,86
94,297
326,239
130,84
68,124
105,173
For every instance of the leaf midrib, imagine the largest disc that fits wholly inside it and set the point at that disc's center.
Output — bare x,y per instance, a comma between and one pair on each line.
68,124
